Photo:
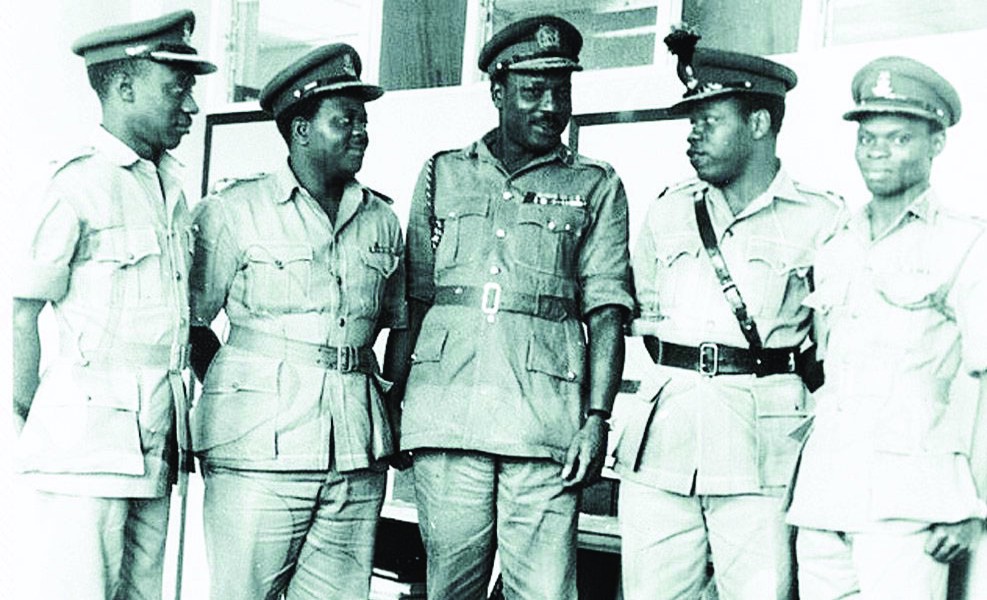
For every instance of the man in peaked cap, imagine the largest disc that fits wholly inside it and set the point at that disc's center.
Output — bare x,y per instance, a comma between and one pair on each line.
705,456
892,479
514,243
100,432
291,428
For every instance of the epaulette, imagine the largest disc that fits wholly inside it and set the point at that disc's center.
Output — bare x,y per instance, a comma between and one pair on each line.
832,197
571,158
228,183
383,197
77,154
682,186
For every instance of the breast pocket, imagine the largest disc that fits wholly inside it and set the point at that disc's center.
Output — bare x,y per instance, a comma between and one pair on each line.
773,275
464,231
375,268
278,276
678,264
548,236
128,260
910,286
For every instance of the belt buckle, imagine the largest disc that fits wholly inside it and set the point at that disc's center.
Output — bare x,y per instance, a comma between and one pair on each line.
490,300
346,359
709,358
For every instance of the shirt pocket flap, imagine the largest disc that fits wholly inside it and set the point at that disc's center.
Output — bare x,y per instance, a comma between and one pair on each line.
553,219
278,254
111,389
469,206
669,248
430,345
548,359
124,245
778,256
239,396
383,262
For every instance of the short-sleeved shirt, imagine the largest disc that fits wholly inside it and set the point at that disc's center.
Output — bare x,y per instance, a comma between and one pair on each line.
902,315
268,255
510,383
726,434
111,253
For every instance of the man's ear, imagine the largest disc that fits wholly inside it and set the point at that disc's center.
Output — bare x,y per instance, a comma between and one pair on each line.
497,93
938,142
300,130
760,123
123,87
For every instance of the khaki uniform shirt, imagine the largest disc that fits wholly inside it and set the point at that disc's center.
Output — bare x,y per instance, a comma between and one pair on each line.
111,254
268,255
902,315
686,432
510,383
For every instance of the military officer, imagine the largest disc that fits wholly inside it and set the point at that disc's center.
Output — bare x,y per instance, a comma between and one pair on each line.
706,456
893,478
514,244
291,427
110,255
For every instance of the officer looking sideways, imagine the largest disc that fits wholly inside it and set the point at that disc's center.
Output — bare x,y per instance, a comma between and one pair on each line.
110,253
514,243
705,456
291,427
893,477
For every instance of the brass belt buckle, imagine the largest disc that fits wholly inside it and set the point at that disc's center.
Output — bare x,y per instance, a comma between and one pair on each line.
346,359
490,301
709,358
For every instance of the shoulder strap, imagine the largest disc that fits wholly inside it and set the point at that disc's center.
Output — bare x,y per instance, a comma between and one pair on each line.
730,291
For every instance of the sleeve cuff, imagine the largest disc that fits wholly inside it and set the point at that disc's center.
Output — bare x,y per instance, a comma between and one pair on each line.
40,281
612,292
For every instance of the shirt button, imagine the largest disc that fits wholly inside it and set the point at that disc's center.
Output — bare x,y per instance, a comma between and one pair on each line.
570,375
508,195
178,276
552,225
452,213
342,322
494,270
339,280
500,233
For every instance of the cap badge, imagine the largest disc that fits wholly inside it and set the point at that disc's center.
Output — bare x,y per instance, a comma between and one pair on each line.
548,37
348,67
882,88
187,33
136,50
710,86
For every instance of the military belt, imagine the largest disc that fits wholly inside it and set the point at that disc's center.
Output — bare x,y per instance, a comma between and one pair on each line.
345,359
718,359
491,299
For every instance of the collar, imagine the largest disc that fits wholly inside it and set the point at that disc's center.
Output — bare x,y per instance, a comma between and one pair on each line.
781,188
287,186
481,149
925,207
123,155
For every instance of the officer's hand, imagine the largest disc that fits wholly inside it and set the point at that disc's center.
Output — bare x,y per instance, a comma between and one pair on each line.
584,460
948,541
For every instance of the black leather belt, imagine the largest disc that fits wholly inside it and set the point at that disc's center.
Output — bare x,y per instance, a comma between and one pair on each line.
718,359
345,359
491,299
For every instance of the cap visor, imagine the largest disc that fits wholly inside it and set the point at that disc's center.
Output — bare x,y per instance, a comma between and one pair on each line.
859,112
189,62
546,64
363,91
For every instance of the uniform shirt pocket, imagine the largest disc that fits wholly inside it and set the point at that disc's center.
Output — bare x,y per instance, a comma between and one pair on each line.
464,231
236,416
781,407
278,276
548,237
678,269
127,262
85,423
376,266
775,275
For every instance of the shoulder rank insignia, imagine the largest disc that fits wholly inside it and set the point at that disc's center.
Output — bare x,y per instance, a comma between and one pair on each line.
552,199
76,154
227,183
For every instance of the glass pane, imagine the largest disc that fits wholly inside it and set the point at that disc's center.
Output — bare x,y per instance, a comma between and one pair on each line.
853,21
267,35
